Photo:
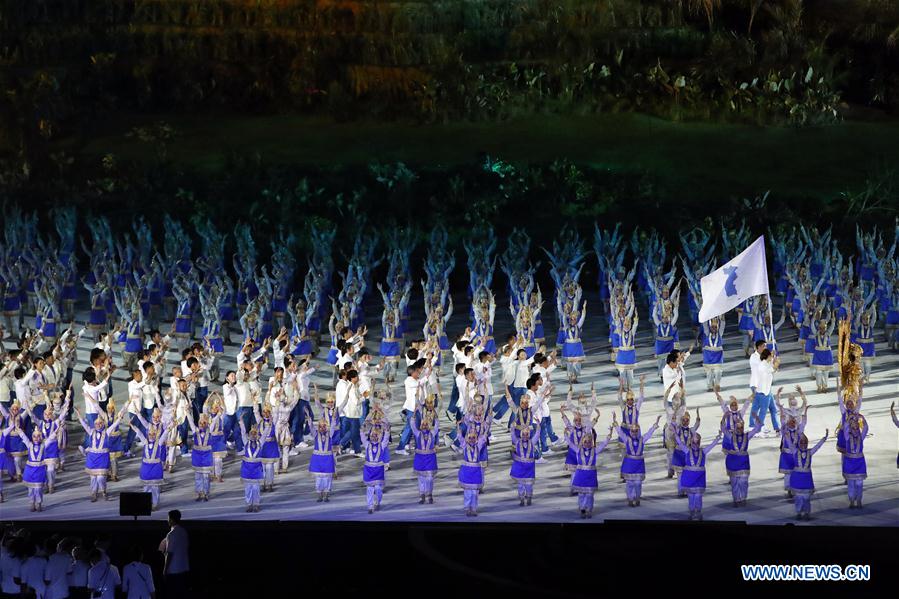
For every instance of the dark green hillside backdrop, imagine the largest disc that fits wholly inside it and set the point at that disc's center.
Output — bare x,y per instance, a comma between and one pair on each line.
565,111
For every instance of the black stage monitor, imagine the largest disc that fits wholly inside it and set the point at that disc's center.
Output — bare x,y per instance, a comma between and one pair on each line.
135,504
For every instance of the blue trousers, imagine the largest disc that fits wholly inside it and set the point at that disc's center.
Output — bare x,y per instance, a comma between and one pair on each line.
763,405
453,407
229,426
298,420
351,434
184,432
245,415
407,432
546,431
198,401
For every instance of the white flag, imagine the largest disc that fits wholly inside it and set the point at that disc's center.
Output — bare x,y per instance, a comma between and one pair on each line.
735,282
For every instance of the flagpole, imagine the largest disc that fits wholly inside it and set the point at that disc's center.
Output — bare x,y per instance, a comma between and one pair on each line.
770,308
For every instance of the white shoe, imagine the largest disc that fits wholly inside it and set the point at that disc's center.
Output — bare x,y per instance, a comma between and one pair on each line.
350,452
559,442
548,451
294,451
361,454
303,445
402,452
540,460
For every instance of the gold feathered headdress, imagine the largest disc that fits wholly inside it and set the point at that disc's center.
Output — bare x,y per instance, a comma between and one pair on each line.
849,357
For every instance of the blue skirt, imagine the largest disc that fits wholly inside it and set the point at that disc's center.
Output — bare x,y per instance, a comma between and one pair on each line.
678,459
390,349
279,305
822,357
314,325
51,451
98,317
115,444
787,463
303,348
372,474
693,481
269,451
539,334
35,477
747,322
867,349
201,459
151,474
218,444
322,464
332,356
183,325
424,462
570,460
802,482
737,464
626,358
584,481
471,477
663,348
633,469
133,344
14,445
572,350
226,313
809,345
614,339
251,472
49,326
443,342
96,461
854,468
217,345
523,471
711,357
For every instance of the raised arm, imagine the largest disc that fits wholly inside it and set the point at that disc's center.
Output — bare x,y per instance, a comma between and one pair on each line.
820,443
139,434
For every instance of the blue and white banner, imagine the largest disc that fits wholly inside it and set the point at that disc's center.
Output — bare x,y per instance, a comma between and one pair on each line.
735,282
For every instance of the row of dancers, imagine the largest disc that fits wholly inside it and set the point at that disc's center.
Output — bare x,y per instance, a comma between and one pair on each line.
266,443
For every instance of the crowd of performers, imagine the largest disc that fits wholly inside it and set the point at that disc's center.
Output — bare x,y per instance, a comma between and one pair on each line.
151,306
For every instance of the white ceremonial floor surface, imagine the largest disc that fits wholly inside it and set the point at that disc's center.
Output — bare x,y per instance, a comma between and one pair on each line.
294,497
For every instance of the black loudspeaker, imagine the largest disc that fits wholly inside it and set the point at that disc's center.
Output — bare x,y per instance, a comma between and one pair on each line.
135,504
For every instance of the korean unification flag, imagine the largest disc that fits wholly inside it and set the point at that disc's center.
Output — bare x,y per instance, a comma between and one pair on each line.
738,280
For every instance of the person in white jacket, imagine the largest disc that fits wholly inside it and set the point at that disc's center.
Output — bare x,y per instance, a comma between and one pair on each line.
349,404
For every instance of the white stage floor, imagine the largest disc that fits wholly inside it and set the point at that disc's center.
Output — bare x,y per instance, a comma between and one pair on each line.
294,497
